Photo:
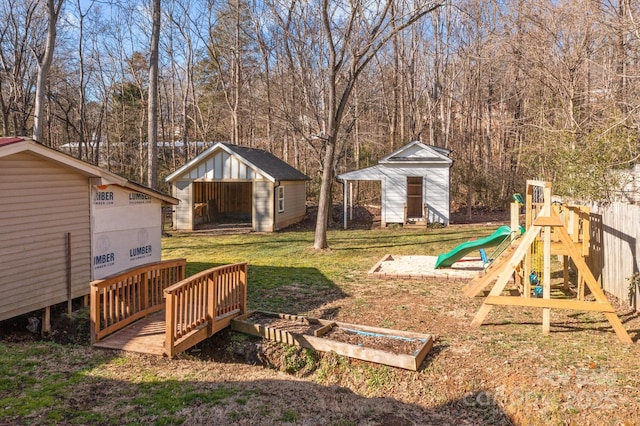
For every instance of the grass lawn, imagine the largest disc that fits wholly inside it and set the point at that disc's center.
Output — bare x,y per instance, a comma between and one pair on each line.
505,372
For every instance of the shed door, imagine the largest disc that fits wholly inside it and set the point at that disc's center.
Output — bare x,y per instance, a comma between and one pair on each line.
414,197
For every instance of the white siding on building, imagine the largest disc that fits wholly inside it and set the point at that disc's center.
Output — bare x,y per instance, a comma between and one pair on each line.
435,192
263,205
295,204
221,166
183,212
413,160
41,203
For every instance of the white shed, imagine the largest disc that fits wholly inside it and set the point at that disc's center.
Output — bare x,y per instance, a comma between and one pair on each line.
414,185
235,183
64,223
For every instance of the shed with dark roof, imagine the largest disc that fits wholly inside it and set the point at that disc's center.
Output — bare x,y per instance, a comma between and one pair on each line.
235,184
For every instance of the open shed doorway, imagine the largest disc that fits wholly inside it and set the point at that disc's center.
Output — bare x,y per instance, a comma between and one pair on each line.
222,204
414,197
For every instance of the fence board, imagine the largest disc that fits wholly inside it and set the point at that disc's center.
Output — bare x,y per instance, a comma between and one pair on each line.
615,245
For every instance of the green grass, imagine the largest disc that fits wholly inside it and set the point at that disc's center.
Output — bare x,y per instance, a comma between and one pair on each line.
286,261
47,383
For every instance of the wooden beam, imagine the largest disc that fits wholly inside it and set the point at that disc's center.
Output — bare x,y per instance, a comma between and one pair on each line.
593,285
540,183
546,275
479,283
509,269
569,304
547,221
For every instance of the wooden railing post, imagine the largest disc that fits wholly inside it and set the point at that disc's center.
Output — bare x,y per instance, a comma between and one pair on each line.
145,277
211,300
243,288
170,324
94,312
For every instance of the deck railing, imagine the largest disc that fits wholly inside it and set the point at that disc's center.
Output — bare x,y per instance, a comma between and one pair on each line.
121,299
203,304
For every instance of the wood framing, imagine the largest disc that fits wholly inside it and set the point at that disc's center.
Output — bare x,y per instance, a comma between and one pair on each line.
546,226
320,341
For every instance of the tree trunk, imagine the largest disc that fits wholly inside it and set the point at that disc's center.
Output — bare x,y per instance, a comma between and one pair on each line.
44,63
152,129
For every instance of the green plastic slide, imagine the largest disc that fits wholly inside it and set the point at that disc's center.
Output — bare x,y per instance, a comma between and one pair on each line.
499,235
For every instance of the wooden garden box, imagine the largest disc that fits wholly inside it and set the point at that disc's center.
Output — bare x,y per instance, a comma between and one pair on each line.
317,334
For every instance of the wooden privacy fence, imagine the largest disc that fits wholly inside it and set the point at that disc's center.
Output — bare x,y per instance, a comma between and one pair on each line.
121,299
615,248
201,305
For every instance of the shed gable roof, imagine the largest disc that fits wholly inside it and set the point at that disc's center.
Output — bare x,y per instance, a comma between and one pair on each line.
418,152
15,145
261,162
414,155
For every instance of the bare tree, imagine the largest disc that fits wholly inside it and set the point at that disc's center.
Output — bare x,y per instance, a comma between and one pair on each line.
44,64
152,130
351,35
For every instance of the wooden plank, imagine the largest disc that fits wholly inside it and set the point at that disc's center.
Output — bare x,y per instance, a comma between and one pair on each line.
495,269
510,267
569,304
145,336
547,221
546,275
325,344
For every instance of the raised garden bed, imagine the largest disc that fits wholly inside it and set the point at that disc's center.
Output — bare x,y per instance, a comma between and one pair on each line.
380,345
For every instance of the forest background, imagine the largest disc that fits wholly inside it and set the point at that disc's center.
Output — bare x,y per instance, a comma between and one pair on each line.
522,89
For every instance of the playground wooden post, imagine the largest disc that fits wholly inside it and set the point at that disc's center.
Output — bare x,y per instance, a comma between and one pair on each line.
546,274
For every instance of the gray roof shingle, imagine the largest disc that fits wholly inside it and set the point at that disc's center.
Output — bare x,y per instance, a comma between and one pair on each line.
268,162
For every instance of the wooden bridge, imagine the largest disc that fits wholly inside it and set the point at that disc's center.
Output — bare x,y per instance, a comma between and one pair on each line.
154,309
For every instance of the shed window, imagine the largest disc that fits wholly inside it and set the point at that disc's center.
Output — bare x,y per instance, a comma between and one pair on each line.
280,199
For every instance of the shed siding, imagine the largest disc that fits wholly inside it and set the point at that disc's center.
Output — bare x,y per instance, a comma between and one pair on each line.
295,204
221,167
262,206
41,203
437,195
183,212
436,192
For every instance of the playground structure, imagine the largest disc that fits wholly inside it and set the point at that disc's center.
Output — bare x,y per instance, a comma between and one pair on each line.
551,229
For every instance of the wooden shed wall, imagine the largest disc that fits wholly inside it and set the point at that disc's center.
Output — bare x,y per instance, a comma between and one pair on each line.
295,204
40,203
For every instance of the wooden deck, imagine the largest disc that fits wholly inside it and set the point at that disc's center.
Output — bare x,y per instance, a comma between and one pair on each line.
145,336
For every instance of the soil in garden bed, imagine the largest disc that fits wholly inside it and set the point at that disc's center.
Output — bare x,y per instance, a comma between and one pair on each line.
393,344
387,343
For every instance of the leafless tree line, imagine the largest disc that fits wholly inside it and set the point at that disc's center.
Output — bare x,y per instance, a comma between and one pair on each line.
517,90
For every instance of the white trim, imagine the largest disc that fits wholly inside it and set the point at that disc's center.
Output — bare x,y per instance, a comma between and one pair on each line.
280,198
